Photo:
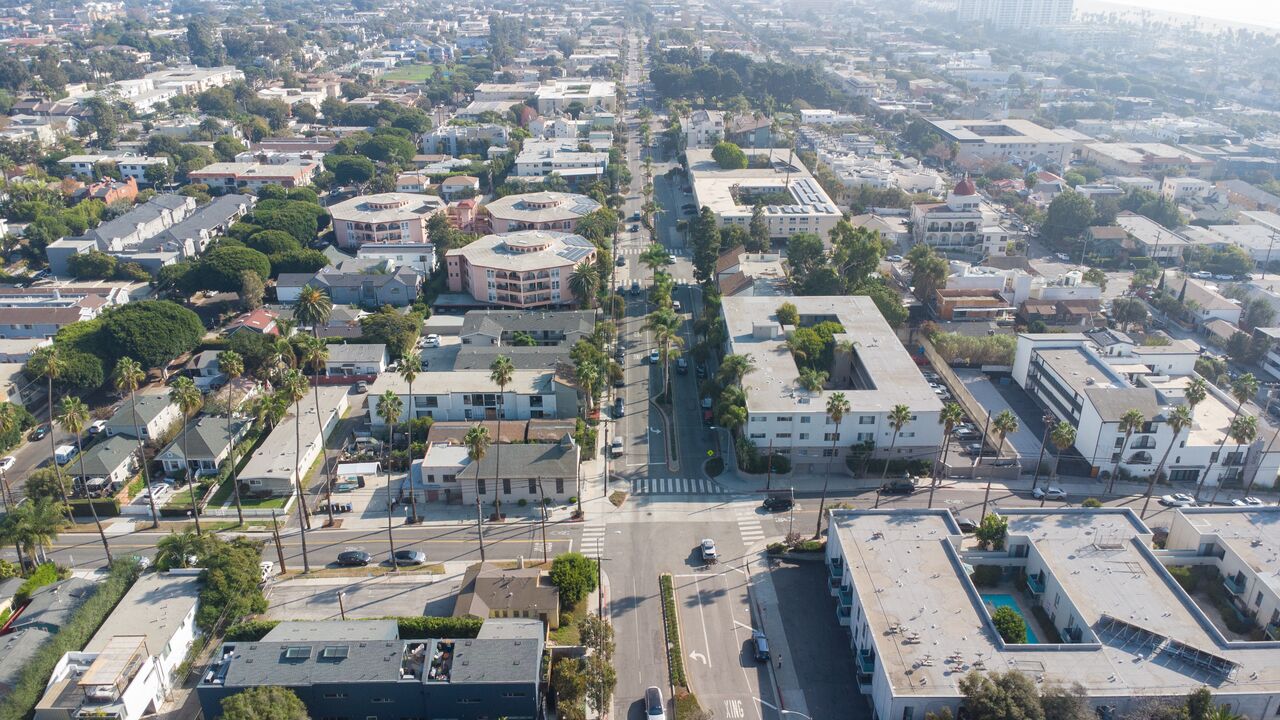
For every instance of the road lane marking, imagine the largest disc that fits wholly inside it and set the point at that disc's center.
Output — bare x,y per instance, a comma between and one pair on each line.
706,643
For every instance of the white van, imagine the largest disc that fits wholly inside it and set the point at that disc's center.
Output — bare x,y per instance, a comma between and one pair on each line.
63,454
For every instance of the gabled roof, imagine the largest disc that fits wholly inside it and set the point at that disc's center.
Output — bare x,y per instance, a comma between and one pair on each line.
487,587
207,438
149,404
107,455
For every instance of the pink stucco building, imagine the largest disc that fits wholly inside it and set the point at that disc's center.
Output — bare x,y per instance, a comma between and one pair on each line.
385,217
524,269
539,211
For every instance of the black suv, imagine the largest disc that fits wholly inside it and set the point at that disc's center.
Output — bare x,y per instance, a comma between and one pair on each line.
353,558
778,503
902,486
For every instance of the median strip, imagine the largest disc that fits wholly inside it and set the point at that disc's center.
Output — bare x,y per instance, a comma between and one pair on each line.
671,622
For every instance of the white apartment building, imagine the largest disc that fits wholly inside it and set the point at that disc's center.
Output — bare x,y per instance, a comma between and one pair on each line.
732,194
965,222
460,395
1185,188
1113,619
144,94
130,166
703,129
1011,140
875,376
1091,384
540,158
556,96
906,174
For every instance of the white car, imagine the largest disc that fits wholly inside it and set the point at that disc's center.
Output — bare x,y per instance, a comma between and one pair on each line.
1246,502
1049,493
159,490
432,340
7,462
267,568
894,258
97,426
709,552
1177,500
615,448
1063,257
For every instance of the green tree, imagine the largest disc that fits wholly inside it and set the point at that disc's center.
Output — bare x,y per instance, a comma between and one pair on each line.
73,416
1001,696
928,271
232,581
231,364
1243,389
583,283
180,550
1131,421
991,532
270,242
656,257
574,575
1097,277
1063,436
392,329
571,687
1010,625
758,230
788,314
705,238
33,526
128,376
1068,216
899,416
293,387
349,169
187,397
856,253
154,332
951,416
1179,420
729,156
837,406
93,265
265,702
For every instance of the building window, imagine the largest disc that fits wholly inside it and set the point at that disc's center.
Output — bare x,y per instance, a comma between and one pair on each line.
559,486
783,436
866,419
830,452
784,418
506,486
804,436
450,478
831,437
757,436
480,487
804,419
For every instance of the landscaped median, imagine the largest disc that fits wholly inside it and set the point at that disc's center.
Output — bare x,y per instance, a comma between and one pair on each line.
671,622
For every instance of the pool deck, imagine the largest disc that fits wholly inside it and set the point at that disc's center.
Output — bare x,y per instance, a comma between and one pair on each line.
1034,629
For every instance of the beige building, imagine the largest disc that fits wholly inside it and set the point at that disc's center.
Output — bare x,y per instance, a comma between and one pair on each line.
384,218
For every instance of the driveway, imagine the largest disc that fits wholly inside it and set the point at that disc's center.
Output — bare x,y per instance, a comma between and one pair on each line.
1008,396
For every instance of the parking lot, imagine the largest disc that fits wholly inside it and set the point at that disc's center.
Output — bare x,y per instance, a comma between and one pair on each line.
997,397
405,594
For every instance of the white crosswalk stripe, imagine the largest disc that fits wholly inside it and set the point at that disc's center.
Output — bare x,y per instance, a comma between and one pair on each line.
593,536
749,527
676,486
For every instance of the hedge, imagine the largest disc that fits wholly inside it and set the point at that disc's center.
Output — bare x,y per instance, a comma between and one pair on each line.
411,628
84,622
46,574
106,507
675,656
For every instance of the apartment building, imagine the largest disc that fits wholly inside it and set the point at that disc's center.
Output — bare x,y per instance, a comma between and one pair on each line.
874,373
556,96
42,312
966,222
384,218
703,129
540,158
1145,159
524,269
470,395
792,199
254,175
130,166
538,211
1102,610
1016,14
1091,384
1011,140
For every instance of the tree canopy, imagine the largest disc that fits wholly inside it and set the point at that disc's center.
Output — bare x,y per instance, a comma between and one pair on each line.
266,702
153,332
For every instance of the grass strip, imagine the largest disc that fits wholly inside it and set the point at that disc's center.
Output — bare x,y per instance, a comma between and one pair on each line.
675,657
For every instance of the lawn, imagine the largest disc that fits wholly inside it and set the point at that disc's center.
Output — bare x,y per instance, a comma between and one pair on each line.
410,74
567,633
224,495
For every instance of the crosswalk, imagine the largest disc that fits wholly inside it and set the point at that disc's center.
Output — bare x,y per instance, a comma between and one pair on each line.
749,526
639,250
675,486
593,535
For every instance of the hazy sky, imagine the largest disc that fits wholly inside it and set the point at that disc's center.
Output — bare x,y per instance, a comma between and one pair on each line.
1257,12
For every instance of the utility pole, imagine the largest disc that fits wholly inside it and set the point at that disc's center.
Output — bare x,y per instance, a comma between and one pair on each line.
1048,424
275,534
768,483
391,539
480,525
543,497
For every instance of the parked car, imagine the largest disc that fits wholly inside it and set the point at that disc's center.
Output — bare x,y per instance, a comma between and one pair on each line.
97,426
682,366
432,340
654,708
709,552
966,525
901,486
701,372
39,433
778,503
362,387
760,646
654,356
675,305
635,287
894,258
977,449
620,261
353,558
7,462
63,454
635,228
1063,257
409,557
619,407
1224,276
1049,493
615,448
1177,500
266,568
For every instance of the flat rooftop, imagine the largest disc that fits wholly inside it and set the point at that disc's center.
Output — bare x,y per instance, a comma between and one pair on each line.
907,572
714,187
154,608
774,385
1254,535
999,131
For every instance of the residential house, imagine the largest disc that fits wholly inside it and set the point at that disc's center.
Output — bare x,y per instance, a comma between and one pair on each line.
369,284
356,359
114,459
48,610
203,369
261,321
1202,299
490,590
40,312
208,443
1151,239
253,175
273,468
155,414
532,472
471,395
459,187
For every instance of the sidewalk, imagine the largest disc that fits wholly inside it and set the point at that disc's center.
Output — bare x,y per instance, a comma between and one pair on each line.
764,608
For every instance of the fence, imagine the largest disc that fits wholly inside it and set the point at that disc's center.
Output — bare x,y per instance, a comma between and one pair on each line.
971,406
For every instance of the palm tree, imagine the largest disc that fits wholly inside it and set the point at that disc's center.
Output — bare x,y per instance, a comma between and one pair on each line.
188,399
390,406
813,380
1244,430
293,387
231,364
314,353
1197,390
655,256
665,326
477,442
409,372
500,373
837,406
73,416
1180,419
1130,422
899,416
1244,388
733,368
313,308
8,423
48,361
952,414
583,283
176,550
1002,424
33,526
1063,436
128,376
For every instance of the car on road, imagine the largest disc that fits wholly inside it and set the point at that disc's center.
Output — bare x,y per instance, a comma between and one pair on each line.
409,557
615,448
635,287
760,646
1177,500
7,462
354,558
620,383
635,215
654,357
778,503
675,305
97,426
654,708
1049,493
266,569
709,552
1202,275
1224,276
682,366
894,258
63,454
701,372
1063,257
39,433
635,228
432,340
901,486
620,261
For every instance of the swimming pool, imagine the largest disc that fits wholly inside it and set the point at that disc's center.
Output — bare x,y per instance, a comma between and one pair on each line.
999,600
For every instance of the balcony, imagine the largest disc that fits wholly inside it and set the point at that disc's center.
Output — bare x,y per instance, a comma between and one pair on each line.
846,597
866,666
1273,631
1035,583
1236,586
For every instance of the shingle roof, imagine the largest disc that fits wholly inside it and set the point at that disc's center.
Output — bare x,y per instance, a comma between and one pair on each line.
487,587
105,456
1112,403
525,461
150,405
206,437
357,352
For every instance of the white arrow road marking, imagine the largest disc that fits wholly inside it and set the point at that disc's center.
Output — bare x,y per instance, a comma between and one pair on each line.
699,657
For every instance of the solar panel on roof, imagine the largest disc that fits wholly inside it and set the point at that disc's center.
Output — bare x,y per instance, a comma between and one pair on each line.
573,254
